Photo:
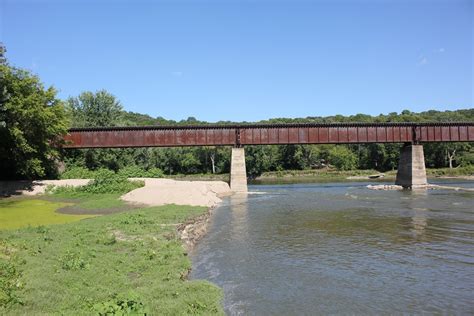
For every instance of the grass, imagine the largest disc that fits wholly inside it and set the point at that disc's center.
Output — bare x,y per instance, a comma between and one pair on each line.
87,203
33,212
125,263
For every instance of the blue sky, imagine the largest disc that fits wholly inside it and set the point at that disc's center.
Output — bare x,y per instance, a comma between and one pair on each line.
250,60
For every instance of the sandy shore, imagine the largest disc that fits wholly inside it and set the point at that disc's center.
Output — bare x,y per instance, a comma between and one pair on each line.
166,191
155,192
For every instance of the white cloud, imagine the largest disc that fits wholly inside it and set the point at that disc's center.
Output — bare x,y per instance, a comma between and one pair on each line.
440,50
177,73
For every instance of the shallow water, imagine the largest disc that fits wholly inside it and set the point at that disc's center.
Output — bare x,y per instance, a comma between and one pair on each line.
340,248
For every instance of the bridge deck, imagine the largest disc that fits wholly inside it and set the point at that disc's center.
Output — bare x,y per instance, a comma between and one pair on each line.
268,134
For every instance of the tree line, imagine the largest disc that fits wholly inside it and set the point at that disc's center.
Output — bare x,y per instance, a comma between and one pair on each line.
33,121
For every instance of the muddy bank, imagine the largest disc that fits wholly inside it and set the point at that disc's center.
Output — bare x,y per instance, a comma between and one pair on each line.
191,231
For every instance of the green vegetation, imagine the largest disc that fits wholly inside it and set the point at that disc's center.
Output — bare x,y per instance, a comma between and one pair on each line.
32,123
451,172
342,158
22,213
105,181
125,263
131,262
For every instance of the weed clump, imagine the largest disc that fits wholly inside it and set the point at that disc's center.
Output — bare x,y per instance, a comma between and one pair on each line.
73,261
105,181
120,306
9,276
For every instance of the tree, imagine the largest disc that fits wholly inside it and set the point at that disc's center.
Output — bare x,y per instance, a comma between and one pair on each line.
342,158
3,50
91,109
94,109
32,123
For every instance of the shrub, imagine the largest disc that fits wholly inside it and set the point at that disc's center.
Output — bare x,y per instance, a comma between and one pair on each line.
127,172
105,181
73,261
78,173
155,173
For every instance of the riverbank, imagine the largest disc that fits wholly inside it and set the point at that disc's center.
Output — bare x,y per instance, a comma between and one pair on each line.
331,175
139,252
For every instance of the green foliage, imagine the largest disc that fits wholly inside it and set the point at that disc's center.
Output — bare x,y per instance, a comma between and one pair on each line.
32,122
72,260
342,158
127,172
91,109
451,172
83,270
77,173
137,172
10,276
3,50
121,306
104,181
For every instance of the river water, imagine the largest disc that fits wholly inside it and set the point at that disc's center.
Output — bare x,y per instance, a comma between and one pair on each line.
340,248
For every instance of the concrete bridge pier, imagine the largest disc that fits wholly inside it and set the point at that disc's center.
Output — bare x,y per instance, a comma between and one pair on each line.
411,167
238,172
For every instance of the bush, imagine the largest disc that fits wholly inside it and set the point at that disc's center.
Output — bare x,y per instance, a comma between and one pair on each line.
155,173
105,181
78,173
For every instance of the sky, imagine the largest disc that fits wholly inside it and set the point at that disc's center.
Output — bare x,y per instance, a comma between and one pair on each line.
249,60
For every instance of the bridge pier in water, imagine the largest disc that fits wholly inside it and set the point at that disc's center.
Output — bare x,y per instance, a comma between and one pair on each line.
238,171
411,167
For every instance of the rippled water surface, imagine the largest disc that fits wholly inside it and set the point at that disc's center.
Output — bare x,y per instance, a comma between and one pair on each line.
341,248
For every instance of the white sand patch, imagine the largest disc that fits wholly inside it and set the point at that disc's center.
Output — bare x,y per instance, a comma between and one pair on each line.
166,191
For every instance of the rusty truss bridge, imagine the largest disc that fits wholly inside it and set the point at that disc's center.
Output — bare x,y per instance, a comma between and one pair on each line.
268,134
411,169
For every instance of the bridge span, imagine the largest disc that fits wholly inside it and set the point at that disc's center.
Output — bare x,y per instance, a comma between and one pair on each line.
411,171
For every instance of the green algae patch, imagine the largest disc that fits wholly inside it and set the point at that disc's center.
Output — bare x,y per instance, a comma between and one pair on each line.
127,263
23,213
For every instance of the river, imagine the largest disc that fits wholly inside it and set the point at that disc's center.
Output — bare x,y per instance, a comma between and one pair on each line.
340,248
